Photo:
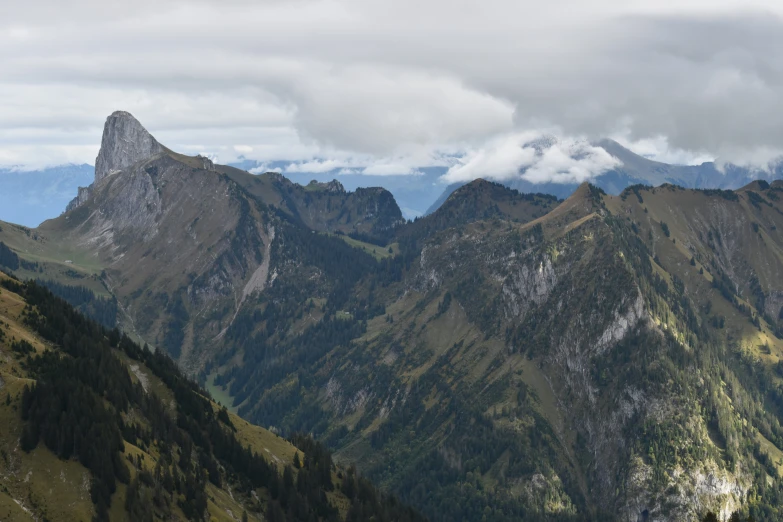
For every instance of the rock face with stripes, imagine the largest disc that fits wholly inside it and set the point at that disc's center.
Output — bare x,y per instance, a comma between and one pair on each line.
125,142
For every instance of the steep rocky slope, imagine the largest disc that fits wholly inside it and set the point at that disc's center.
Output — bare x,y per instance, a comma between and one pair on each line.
367,213
124,143
181,243
176,241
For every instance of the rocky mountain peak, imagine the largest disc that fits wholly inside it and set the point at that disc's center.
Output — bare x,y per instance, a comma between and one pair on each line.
125,141
333,186
206,163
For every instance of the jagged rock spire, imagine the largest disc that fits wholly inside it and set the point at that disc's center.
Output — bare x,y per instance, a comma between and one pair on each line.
125,142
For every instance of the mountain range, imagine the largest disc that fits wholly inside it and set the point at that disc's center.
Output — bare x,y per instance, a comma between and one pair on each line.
638,170
510,356
30,197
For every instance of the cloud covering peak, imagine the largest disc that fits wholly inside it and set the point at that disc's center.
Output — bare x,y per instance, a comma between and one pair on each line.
537,158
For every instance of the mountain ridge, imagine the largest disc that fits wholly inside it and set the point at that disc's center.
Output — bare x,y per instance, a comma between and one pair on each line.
511,356
131,218
635,169
422,194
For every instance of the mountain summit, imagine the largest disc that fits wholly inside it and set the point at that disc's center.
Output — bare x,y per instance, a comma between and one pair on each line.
125,142
202,237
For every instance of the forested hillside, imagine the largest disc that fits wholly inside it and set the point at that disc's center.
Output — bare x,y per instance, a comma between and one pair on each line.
149,444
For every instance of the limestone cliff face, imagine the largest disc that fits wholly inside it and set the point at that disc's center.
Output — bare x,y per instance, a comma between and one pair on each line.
125,142
177,239
179,243
80,199
574,295
370,213
184,242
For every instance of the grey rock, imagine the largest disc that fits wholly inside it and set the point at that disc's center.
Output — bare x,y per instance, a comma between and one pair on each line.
206,163
82,197
125,142
334,186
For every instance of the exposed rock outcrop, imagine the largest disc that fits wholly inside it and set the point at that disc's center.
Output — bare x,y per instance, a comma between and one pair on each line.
333,186
83,195
125,142
206,163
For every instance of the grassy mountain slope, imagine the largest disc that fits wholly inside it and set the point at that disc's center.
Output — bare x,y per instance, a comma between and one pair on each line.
733,234
98,428
480,200
175,242
574,366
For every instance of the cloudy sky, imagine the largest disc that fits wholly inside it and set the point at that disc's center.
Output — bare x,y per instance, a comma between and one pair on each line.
392,86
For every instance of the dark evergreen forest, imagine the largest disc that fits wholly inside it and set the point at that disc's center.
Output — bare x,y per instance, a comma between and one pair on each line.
75,409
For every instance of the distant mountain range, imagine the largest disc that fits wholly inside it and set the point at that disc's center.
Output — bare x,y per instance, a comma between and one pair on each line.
638,170
30,197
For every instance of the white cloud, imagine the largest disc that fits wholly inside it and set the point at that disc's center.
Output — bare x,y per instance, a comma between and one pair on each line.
390,169
500,160
658,149
337,79
315,166
366,165
383,110
570,161
762,159
263,168
348,172
537,158
33,157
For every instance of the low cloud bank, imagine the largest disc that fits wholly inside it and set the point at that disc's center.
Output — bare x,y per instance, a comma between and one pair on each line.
537,158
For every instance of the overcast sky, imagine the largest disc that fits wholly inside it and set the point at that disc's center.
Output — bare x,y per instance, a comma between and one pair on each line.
389,86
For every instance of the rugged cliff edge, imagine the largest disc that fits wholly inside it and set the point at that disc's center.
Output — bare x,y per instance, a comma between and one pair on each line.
125,142
182,242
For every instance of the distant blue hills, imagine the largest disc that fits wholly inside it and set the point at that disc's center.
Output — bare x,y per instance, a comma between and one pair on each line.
30,197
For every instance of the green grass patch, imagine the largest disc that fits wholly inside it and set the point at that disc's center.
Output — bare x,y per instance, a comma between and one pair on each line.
772,451
378,252
220,394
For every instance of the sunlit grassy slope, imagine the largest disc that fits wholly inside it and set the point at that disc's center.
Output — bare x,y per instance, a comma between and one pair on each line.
38,485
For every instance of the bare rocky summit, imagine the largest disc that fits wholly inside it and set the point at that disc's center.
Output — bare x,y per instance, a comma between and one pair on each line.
125,142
